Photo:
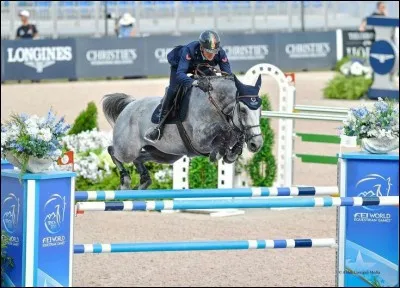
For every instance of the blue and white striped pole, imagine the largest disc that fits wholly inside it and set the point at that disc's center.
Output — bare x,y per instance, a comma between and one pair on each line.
237,203
206,193
204,245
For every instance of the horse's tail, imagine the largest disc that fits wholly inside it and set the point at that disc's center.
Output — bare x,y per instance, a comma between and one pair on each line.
113,104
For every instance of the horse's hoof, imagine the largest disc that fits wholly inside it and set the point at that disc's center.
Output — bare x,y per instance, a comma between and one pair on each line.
125,183
219,156
227,160
145,185
213,156
124,187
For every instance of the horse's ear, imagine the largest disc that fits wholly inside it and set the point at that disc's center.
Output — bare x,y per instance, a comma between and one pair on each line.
236,79
258,83
237,82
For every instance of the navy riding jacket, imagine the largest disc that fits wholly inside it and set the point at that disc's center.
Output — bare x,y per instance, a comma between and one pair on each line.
186,58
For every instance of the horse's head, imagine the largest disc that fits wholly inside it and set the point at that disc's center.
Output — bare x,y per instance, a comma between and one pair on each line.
248,113
240,105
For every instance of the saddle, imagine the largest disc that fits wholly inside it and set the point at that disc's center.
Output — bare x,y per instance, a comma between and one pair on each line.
179,107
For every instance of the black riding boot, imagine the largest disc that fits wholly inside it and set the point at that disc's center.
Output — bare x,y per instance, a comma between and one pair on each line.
156,134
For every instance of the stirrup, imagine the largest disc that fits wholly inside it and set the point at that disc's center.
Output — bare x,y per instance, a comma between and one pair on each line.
154,135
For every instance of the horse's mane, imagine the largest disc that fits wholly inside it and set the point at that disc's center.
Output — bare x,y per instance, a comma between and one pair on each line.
206,71
212,76
216,77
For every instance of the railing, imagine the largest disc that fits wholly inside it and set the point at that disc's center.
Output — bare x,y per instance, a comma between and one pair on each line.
87,18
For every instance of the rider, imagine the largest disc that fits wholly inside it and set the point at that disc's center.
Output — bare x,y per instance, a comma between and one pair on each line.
184,59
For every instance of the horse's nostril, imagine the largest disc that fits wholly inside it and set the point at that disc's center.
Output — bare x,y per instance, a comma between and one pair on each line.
253,146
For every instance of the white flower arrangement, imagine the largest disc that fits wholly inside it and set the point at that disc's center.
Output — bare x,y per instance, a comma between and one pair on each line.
356,68
163,175
24,137
92,160
88,140
378,121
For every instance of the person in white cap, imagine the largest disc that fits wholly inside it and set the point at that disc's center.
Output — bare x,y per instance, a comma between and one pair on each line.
26,30
126,26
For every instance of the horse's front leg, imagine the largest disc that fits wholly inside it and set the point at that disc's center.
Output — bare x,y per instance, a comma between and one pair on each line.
220,148
233,154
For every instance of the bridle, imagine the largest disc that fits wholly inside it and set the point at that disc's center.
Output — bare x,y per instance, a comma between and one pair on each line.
228,117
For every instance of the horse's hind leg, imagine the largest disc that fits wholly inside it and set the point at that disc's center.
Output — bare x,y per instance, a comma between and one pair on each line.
125,179
145,180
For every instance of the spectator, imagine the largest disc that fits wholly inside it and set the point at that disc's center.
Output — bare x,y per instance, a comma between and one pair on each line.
126,26
26,30
380,11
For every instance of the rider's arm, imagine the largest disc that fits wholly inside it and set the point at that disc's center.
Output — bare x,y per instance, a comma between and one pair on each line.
183,68
224,62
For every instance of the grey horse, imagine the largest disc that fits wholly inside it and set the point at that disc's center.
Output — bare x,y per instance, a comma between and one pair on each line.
217,125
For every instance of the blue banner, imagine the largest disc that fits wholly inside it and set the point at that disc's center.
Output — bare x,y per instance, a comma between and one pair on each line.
357,43
2,62
306,50
372,244
54,229
38,59
13,201
106,57
247,50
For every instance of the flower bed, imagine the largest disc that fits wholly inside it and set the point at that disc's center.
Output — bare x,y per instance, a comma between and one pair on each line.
95,168
352,81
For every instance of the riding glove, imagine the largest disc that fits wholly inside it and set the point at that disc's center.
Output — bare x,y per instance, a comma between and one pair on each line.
202,85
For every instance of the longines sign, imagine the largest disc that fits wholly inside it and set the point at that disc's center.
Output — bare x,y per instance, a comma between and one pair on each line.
39,59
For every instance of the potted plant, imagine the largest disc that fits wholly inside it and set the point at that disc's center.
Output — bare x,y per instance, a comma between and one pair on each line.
6,261
32,144
377,126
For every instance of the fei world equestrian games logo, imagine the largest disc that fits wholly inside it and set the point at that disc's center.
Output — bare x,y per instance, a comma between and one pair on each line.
11,209
373,185
382,57
54,209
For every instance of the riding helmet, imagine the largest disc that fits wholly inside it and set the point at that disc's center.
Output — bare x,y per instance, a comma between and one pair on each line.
209,40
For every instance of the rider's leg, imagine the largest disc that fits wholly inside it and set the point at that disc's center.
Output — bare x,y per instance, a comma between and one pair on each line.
156,134
167,103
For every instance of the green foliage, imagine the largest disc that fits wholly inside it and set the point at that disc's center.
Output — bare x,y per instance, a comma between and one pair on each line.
203,173
112,181
347,87
262,166
341,62
86,120
346,59
154,168
6,261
